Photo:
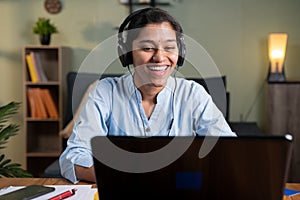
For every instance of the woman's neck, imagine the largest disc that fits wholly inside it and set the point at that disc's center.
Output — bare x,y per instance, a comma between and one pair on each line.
149,98
149,93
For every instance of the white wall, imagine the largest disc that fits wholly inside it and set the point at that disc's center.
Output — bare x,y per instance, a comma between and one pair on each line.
233,32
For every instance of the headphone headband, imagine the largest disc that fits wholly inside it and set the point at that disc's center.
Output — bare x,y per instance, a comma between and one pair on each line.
125,55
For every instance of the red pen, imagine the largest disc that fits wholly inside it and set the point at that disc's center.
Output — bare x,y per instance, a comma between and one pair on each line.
64,195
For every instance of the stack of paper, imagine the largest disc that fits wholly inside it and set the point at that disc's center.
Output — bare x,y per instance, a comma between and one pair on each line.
83,191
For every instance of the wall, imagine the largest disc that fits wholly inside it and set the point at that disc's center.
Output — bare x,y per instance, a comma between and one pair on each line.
233,32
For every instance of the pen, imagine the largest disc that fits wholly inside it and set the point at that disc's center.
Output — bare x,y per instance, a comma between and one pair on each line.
64,195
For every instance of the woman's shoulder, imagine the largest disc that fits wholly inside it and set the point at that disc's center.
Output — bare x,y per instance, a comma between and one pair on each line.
112,79
112,82
188,84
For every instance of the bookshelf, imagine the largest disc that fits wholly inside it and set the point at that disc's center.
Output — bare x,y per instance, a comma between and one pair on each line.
151,3
43,143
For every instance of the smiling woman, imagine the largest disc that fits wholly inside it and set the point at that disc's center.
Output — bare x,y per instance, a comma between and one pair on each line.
155,55
147,102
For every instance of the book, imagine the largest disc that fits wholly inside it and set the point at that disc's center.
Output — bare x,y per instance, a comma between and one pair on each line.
38,66
31,69
291,194
41,103
35,65
40,108
49,104
31,103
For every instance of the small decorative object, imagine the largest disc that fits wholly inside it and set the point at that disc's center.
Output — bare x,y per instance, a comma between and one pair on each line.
45,29
277,47
52,6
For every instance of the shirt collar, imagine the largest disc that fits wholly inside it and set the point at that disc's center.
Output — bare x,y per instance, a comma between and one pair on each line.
169,88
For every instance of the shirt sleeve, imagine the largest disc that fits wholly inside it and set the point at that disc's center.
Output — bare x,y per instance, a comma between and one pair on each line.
208,119
90,123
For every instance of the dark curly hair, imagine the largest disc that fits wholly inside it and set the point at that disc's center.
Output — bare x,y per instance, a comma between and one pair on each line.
132,25
141,18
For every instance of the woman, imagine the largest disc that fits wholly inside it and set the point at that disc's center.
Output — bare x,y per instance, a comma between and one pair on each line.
148,102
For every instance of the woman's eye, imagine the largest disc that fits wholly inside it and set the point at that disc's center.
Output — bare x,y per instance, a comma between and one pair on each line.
170,48
148,49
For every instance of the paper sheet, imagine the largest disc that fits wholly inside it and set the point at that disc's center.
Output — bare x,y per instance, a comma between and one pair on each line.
83,191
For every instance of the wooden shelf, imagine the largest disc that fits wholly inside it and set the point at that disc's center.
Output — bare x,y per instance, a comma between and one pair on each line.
43,154
30,119
43,142
152,3
42,83
147,4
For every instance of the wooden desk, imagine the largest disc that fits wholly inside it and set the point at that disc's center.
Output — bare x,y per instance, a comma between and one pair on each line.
293,186
5,182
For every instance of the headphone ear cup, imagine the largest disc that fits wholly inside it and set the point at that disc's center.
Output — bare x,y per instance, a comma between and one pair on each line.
181,52
125,56
129,59
122,55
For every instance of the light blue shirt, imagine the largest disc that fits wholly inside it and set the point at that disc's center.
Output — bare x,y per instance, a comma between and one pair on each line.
114,107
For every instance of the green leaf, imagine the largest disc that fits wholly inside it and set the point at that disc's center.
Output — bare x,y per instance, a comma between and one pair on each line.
3,163
6,133
13,165
44,27
8,169
8,110
1,157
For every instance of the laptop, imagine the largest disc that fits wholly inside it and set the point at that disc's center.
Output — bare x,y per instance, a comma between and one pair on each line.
235,168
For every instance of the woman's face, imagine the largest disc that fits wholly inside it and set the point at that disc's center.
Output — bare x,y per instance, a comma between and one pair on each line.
155,54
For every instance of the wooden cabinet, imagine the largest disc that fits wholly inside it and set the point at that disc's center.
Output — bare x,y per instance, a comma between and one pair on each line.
43,143
283,116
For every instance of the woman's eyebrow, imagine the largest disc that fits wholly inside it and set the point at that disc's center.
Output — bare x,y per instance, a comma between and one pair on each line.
172,40
153,42
146,41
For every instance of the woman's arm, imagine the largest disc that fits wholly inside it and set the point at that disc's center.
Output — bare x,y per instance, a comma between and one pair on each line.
85,173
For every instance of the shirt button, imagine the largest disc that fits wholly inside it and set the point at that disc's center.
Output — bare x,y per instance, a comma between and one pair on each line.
147,129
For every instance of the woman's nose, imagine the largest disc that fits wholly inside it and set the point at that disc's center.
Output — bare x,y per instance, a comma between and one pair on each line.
159,55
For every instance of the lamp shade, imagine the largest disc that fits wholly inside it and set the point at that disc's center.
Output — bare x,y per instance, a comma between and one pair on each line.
277,47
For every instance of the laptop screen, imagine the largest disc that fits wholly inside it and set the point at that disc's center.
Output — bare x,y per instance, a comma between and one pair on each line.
235,168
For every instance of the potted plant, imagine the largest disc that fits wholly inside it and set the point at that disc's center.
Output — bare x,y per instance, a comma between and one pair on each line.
8,169
44,28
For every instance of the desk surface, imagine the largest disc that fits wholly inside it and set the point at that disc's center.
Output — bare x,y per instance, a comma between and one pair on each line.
5,182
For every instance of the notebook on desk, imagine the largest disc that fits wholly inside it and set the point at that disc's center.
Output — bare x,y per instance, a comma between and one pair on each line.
236,168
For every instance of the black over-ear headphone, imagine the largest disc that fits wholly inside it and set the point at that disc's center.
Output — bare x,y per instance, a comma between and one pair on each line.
125,54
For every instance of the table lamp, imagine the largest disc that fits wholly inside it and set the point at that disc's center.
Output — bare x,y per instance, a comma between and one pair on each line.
277,47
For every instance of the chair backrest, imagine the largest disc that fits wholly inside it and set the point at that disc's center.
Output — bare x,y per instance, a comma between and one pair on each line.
216,87
77,84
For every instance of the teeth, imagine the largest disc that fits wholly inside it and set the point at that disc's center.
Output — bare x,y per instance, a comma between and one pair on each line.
157,68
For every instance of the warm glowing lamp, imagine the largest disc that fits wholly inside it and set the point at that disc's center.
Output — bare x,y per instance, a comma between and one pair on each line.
277,47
